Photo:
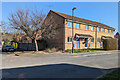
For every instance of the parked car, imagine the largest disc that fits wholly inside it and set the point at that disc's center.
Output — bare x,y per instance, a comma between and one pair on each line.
8,48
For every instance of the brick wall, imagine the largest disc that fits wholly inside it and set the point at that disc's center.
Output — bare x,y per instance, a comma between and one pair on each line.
68,33
56,21
63,32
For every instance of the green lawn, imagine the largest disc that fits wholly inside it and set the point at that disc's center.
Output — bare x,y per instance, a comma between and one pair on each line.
114,75
86,50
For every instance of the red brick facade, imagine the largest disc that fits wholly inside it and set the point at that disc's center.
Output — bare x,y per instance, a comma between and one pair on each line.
64,33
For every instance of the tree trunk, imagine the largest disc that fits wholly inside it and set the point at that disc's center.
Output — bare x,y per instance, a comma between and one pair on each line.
36,46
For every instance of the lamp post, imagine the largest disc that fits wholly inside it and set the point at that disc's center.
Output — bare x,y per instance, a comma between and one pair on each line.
72,29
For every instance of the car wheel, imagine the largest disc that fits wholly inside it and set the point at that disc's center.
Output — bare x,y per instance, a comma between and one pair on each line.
11,50
3,51
14,49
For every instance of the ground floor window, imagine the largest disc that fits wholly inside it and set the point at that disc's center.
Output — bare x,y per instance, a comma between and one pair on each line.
92,40
69,39
98,40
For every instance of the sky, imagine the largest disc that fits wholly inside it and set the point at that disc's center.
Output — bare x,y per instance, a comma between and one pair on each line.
103,12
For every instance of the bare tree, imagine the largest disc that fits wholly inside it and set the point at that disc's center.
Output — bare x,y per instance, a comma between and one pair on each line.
31,23
3,27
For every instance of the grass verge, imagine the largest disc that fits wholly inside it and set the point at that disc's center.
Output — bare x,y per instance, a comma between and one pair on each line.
86,50
114,75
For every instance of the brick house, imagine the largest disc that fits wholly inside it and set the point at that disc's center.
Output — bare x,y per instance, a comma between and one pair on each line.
87,33
116,35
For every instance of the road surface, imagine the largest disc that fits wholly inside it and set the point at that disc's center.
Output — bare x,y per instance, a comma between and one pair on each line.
81,65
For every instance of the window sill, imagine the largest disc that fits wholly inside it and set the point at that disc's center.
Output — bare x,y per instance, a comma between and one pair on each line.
69,27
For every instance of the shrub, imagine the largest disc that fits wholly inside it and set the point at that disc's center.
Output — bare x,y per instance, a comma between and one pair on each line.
50,51
6,42
110,44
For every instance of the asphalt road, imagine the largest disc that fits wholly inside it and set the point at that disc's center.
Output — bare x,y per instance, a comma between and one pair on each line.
83,65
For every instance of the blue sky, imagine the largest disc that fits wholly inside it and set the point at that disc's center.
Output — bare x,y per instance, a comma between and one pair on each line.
104,12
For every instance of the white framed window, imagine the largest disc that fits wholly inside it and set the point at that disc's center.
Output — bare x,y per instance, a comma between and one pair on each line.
86,27
69,39
92,40
77,25
108,30
103,30
98,29
69,24
92,28
111,31
98,40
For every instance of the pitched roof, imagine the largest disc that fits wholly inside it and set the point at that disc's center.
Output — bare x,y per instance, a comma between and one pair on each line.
117,34
80,19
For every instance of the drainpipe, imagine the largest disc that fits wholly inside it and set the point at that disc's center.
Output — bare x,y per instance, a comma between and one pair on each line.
96,37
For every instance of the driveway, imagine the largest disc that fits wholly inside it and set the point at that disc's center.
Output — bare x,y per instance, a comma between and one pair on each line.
64,65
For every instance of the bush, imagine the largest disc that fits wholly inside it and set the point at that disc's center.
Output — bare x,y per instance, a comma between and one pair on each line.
110,44
50,51
6,42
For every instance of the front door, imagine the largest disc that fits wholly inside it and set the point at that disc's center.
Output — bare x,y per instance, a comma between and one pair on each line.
86,42
78,43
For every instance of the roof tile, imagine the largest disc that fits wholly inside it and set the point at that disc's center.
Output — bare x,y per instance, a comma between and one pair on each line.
81,19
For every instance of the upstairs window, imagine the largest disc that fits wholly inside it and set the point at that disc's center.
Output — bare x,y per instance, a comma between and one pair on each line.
92,28
86,27
98,40
92,40
108,30
77,25
103,30
69,24
111,31
69,39
99,29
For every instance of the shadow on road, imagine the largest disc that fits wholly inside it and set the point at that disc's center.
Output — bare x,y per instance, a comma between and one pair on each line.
54,71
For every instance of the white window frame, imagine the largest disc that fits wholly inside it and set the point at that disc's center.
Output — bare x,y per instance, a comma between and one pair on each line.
69,39
108,30
77,25
97,40
103,29
92,27
69,23
91,39
111,31
87,27
98,29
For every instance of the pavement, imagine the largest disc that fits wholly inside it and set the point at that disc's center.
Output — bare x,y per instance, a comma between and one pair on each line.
62,65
